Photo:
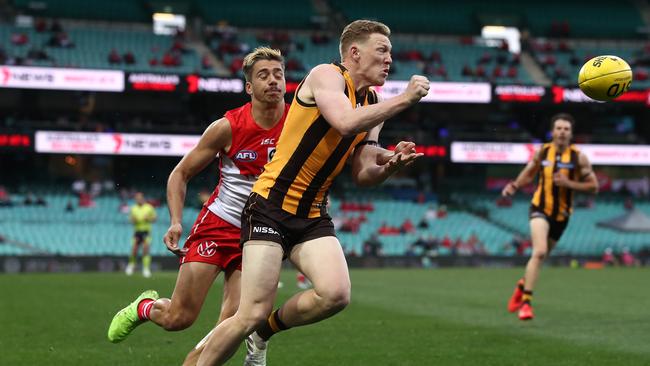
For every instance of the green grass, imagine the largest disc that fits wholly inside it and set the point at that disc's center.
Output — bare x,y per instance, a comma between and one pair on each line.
397,317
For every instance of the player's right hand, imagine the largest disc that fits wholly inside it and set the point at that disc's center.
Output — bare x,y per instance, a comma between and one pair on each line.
417,88
509,190
171,239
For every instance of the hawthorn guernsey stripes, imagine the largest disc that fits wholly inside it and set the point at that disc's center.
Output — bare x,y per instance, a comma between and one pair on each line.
556,202
309,155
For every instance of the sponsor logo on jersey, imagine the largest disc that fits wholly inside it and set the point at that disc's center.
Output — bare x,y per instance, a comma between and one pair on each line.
264,230
207,249
246,156
565,165
268,141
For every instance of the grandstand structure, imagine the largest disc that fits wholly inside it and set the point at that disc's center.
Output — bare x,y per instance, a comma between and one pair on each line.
177,84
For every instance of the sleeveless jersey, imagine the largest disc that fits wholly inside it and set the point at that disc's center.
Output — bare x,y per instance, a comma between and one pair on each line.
556,202
251,148
309,155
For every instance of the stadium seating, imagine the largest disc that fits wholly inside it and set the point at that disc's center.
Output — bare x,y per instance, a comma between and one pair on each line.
96,231
453,57
92,46
561,60
582,237
116,10
447,17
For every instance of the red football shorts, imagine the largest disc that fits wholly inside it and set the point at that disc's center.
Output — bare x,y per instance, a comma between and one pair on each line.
214,241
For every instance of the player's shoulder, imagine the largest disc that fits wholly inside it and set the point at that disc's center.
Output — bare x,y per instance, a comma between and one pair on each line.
325,71
238,113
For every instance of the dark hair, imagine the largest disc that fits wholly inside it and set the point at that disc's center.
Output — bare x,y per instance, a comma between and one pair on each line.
564,116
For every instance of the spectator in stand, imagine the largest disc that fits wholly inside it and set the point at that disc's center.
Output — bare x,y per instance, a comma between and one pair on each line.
5,198
480,72
442,212
40,25
608,257
644,255
40,201
431,214
504,201
129,58
114,57
446,242
423,224
467,71
373,247
293,64
56,27
205,62
407,227
29,199
320,38
19,39
86,200
385,229
627,258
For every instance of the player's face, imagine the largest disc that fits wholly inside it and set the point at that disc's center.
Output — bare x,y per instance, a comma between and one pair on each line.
562,132
267,83
375,58
139,198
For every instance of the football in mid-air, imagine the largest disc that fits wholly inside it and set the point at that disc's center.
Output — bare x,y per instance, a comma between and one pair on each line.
605,77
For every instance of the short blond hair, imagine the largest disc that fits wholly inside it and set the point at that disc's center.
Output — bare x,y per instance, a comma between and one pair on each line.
260,53
360,30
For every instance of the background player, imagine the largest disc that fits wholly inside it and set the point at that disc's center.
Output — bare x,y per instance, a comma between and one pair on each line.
245,140
142,216
334,112
562,170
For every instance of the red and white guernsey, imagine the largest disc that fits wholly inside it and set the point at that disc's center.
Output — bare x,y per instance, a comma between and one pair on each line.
251,148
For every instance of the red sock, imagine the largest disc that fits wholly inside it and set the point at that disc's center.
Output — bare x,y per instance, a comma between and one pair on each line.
144,308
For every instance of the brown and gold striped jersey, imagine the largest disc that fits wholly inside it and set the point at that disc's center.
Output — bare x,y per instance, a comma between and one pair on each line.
554,201
309,154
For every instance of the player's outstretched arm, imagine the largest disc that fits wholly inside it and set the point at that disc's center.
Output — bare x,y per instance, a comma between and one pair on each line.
217,137
525,177
372,164
325,86
588,182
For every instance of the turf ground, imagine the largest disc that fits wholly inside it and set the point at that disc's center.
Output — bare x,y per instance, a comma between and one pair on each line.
397,317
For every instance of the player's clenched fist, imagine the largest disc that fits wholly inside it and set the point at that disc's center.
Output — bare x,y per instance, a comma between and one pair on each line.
418,87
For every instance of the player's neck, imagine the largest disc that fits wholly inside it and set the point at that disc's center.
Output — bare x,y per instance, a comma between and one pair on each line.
560,147
359,81
267,115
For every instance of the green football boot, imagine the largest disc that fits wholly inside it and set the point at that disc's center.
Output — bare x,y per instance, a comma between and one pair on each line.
127,319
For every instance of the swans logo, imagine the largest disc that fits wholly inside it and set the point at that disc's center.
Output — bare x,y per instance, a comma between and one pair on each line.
207,249
246,156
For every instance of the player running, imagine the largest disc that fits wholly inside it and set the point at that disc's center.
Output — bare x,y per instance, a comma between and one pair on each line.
334,114
245,140
562,170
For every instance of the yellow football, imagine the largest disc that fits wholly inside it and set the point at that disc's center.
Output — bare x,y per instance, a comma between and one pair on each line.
605,77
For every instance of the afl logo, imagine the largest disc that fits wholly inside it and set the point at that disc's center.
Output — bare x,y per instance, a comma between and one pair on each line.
207,249
246,155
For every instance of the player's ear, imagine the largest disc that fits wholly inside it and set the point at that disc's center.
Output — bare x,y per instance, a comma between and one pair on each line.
354,52
249,88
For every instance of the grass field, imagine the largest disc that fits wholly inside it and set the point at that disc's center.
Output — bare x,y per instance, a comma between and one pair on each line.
397,317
